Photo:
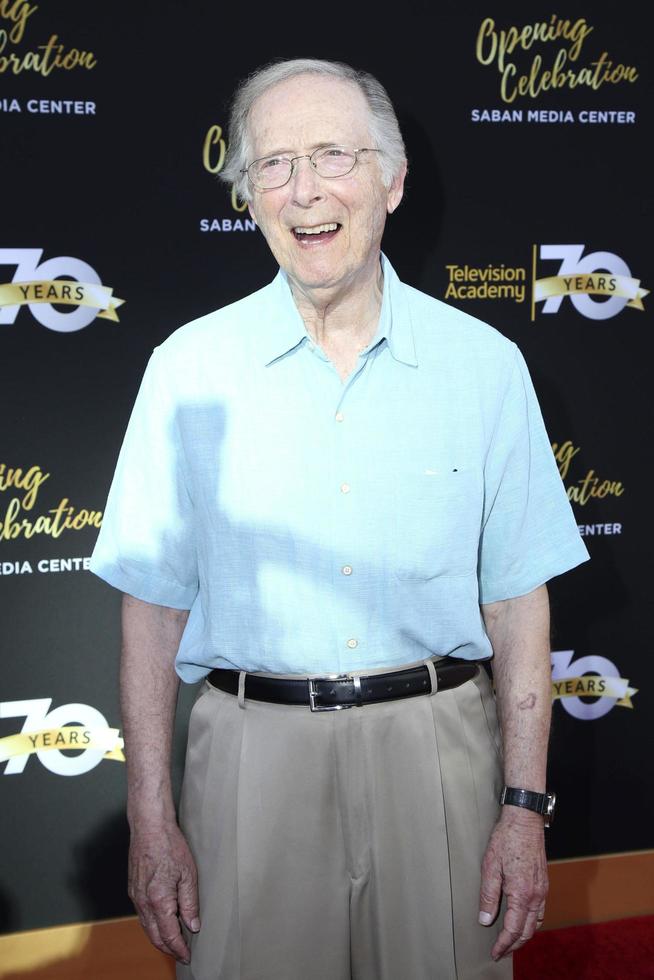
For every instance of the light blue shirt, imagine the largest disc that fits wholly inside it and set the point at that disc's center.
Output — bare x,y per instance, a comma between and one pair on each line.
319,526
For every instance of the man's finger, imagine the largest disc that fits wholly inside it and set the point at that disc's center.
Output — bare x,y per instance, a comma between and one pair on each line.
188,902
515,918
163,906
171,935
489,895
163,931
151,929
528,930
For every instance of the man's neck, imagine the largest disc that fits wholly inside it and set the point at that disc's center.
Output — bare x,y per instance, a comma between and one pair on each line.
342,320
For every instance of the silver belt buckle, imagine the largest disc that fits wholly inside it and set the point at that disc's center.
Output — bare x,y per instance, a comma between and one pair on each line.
313,694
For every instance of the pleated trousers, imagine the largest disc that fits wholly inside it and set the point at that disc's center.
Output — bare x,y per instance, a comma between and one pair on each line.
342,845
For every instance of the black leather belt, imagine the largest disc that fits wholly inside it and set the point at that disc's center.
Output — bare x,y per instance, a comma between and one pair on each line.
340,691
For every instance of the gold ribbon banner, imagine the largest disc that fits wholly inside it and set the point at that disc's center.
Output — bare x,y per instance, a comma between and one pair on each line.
592,283
592,686
64,291
76,737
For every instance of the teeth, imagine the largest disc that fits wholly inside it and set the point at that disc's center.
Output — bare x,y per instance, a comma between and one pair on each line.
332,226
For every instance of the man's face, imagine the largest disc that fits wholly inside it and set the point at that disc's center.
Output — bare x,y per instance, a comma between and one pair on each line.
293,118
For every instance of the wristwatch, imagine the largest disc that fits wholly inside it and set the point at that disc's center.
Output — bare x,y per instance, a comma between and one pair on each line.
542,803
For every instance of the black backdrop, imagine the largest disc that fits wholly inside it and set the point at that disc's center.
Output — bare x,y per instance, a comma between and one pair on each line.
124,185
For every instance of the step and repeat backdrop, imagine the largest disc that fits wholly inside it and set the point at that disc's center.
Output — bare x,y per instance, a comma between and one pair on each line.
528,205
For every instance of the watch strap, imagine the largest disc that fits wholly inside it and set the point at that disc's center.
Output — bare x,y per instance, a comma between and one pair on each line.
542,803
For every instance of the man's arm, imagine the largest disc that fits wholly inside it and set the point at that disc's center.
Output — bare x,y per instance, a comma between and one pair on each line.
515,861
162,874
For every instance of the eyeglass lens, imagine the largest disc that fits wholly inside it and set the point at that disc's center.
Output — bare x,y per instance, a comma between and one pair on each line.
331,161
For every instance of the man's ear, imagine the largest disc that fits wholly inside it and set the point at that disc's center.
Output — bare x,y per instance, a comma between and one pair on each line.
396,190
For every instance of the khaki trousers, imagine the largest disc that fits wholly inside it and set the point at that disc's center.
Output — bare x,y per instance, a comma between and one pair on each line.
342,845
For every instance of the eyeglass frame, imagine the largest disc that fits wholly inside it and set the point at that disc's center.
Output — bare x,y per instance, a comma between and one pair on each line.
308,156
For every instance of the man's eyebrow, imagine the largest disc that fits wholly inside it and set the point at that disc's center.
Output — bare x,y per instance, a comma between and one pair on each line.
312,148
274,153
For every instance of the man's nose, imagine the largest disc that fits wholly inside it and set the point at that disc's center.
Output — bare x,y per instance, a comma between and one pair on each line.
305,182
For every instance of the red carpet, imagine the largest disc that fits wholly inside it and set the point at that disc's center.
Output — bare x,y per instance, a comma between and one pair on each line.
622,950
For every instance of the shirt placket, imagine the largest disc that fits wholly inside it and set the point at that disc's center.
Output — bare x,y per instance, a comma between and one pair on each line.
337,409
348,630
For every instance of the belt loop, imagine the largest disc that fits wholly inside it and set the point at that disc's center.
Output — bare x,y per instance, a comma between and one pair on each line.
429,664
241,689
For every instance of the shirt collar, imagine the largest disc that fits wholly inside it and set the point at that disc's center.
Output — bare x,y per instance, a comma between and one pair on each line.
395,317
286,329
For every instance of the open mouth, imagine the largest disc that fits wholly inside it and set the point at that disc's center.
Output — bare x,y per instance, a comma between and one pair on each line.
316,234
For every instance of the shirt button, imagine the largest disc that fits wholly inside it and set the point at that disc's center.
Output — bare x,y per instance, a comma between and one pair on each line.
352,643
345,488
346,569
339,416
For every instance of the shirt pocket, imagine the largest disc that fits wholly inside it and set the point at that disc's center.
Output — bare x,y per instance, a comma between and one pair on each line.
438,521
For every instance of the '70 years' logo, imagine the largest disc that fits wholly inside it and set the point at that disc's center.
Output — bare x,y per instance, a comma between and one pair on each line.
49,734
588,677
580,277
60,281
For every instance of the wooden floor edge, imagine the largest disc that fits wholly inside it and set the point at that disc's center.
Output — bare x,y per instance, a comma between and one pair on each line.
101,950
89,924
600,889
601,857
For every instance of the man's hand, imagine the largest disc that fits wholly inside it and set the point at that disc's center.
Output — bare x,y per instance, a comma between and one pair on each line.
514,864
162,873
163,886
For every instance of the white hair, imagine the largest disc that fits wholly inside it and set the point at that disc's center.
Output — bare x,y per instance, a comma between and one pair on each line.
383,125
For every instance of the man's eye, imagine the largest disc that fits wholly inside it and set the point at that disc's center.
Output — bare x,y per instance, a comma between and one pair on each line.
271,163
334,151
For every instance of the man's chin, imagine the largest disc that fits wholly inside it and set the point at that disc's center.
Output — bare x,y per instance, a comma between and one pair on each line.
305,276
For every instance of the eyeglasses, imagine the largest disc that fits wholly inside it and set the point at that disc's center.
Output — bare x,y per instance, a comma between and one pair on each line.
328,161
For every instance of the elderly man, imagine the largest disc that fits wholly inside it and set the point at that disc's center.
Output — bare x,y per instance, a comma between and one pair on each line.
335,498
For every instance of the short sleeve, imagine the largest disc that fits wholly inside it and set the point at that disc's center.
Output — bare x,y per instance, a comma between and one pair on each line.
146,545
529,533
